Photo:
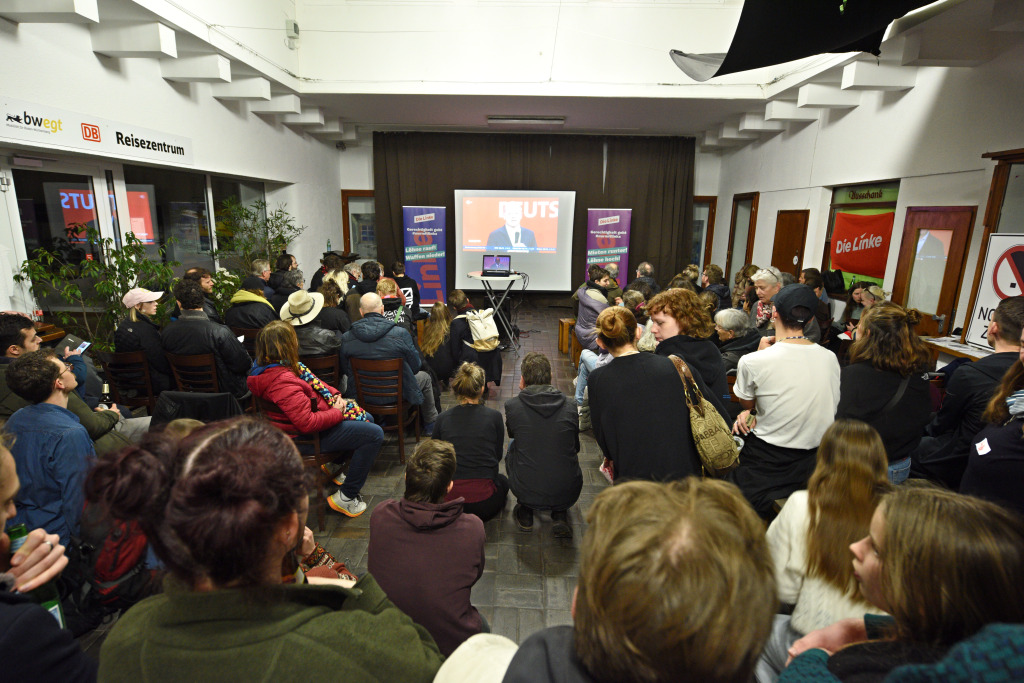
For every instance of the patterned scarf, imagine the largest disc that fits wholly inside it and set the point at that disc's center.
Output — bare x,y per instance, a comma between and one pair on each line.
764,314
352,410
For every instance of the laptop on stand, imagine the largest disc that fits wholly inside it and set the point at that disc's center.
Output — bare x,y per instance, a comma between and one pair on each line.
496,265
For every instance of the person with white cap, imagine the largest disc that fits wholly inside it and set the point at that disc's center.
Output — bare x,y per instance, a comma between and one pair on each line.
140,332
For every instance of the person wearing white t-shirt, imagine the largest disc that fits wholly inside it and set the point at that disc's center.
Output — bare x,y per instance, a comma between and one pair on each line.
789,389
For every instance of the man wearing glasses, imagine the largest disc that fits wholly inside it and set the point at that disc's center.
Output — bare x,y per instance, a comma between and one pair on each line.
52,450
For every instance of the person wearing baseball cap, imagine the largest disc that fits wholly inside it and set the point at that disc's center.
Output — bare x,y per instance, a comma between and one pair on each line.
789,389
140,332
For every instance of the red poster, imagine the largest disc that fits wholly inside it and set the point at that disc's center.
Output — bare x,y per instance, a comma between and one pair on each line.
860,244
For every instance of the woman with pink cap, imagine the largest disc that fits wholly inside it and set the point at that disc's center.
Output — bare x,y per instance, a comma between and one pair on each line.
140,332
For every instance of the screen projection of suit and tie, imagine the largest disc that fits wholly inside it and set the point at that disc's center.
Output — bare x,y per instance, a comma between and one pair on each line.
534,227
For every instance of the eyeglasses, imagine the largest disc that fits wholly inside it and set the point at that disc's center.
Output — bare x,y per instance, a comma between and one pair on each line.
68,367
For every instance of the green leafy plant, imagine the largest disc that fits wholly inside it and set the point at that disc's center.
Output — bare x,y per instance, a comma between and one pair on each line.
93,283
249,232
225,284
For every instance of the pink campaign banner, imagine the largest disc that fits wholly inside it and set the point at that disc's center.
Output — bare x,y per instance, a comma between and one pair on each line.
608,238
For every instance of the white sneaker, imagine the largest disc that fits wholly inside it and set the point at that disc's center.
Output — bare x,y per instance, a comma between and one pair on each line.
352,507
334,472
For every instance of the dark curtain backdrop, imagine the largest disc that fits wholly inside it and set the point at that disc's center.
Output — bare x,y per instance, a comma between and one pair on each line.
653,176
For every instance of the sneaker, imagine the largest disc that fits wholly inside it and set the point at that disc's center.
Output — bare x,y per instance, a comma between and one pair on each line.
561,527
334,472
523,516
584,413
352,507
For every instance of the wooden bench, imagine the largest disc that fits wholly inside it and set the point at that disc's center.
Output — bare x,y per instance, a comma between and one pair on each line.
565,330
575,349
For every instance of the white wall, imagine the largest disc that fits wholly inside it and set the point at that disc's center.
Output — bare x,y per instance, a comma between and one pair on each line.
56,67
931,138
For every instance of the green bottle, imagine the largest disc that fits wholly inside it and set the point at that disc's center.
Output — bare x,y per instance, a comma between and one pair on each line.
47,594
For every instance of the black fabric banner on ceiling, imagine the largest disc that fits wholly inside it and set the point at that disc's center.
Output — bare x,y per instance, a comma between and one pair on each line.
651,175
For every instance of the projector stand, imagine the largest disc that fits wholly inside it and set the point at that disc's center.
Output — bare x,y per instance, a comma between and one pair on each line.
497,301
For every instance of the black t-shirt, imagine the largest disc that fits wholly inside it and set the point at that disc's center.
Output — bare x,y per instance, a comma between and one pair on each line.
478,433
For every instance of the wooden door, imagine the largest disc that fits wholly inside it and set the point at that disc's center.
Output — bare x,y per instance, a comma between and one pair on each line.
741,232
931,264
790,236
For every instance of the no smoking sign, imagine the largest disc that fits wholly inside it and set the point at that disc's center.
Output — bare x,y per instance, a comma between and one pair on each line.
1008,275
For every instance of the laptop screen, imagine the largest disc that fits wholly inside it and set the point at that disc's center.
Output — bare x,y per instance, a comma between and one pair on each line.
501,262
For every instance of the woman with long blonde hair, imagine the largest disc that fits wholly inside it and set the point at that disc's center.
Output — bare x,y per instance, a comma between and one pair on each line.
811,537
435,344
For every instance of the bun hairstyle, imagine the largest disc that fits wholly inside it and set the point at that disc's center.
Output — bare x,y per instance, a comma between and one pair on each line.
208,502
889,342
468,381
616,327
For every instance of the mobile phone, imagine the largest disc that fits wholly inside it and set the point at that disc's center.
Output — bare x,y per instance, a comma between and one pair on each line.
83,346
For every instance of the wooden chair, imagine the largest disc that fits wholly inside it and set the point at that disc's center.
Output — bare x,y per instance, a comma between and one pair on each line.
248,336
327,368
575,349
379,392
129,379
565,329
197,373
315,461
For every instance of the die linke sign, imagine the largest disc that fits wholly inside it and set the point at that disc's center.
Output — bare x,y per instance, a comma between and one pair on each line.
47,126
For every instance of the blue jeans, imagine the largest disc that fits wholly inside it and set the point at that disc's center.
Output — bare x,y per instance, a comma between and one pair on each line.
364,439
899,471
588,359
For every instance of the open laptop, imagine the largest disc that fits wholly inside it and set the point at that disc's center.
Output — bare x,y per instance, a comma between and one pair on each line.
496,265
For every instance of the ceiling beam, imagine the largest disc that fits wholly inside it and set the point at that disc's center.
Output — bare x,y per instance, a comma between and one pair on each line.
783,110
277,104
197,68
729,132
871,76
125,40
755,123
309,116
826,97
242,89
50,11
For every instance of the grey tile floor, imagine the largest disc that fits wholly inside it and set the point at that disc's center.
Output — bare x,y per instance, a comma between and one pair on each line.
528,578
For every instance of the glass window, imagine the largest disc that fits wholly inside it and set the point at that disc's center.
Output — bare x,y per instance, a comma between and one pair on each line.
930,256
701,213
166,203
1011,216
247,193
362,222
742,209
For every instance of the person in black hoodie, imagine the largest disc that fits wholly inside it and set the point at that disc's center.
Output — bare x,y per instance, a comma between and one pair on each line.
943,451
737,337
682,326
713,280
542,462
409,288
647,605
138,332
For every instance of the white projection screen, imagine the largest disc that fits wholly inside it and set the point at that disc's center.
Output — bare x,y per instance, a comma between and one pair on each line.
535,228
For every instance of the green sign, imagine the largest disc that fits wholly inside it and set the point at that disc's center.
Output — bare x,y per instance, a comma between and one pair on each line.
866,194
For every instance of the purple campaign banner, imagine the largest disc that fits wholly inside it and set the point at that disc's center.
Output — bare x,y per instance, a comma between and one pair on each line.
608,238
425,251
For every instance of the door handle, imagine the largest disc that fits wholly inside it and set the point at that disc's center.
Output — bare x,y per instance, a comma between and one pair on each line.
941,320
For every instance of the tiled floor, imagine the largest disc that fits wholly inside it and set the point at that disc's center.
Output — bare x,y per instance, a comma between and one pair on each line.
528,578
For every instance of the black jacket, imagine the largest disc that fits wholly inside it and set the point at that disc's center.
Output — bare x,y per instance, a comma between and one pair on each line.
704,358
144,335
249,314
274,281
649,281
736,348
316,341
543,466
33,647
865,390
411,291
334,319
548,656
209,308
193,333
942,453
723,294
280,297
254,282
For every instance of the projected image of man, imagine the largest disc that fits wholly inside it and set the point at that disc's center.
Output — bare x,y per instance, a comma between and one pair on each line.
512,235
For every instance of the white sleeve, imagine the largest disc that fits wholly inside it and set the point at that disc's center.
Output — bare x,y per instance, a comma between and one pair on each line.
745,387
787,537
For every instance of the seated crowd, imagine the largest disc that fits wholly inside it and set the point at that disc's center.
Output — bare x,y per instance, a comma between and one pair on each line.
814,559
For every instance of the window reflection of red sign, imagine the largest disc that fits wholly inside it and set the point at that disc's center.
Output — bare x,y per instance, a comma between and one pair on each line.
78,207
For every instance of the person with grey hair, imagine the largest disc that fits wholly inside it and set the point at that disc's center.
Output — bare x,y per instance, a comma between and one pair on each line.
767,283
788,279
737,336
645,274
291,282
257,278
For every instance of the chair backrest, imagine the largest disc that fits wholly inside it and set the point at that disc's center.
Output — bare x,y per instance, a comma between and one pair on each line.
127,374
248,336
378,384
196,373
327,368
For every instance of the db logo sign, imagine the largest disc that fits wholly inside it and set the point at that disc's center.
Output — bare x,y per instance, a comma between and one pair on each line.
90,132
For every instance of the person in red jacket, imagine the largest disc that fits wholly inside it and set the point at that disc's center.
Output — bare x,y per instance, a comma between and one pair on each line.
304,405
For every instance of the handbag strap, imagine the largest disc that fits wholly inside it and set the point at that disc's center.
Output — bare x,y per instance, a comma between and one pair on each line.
897,396
689,384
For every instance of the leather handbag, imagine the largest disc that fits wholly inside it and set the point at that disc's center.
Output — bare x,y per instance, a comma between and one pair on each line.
715,445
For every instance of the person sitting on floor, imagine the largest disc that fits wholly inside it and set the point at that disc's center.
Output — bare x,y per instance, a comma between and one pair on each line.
478,434
427,553
789,391
810,539
193,333
675,584
374,337
225,509
303,404
52,450
436,344
737,336
462,341
140,332
542,462
34,647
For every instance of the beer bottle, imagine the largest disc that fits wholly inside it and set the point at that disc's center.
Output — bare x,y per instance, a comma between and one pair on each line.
46,595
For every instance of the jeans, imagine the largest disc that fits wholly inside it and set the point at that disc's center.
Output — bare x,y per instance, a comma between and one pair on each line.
899,471
588,359
364,439
428,408
132,429
776,650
